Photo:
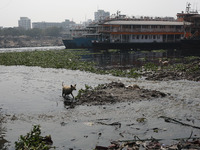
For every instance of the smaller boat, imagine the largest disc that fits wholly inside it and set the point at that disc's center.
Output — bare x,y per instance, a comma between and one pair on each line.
79,42
81,38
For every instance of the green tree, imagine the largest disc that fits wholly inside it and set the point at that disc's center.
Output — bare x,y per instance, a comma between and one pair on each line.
12,31
35,32
53,31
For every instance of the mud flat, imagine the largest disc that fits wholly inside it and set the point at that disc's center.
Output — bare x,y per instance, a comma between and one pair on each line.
116,92
186,70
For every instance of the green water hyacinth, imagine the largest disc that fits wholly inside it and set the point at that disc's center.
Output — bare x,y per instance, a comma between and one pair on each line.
47,59
66,59
34,141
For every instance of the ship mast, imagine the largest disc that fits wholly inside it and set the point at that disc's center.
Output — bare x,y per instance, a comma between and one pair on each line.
191,22
188,8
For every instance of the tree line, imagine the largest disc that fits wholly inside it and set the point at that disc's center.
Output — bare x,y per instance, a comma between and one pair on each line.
35,32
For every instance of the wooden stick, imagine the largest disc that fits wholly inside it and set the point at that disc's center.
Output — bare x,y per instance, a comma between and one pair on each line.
167,119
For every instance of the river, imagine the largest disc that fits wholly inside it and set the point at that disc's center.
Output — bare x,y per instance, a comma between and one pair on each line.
32,95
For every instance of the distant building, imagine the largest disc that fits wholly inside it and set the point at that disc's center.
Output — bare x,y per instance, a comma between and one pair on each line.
67,24
86,23
44,25
100,15
25,23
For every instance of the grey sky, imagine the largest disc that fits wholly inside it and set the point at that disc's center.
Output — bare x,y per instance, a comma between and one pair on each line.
81,10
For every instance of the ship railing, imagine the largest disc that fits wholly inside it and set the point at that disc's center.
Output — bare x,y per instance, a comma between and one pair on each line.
141,30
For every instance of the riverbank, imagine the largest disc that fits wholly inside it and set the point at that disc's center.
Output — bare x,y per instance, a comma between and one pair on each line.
26,41
174,69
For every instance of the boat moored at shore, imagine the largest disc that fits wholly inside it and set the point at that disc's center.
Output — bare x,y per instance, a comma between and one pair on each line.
79,42
140,34
143,33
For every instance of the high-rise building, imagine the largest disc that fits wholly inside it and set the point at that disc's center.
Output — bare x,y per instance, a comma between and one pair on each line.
25,23
101,15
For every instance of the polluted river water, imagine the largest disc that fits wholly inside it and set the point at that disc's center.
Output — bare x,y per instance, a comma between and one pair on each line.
32,96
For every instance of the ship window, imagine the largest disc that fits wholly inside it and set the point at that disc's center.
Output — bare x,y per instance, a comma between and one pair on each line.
162,27
138,26
145,27
146,36
154,26
154,37
158,36
138,37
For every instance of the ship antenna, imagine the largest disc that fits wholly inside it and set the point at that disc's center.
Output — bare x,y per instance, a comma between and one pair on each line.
118,13
188,8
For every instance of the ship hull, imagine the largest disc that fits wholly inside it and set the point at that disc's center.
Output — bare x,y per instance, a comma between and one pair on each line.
193,44
90,43
81,42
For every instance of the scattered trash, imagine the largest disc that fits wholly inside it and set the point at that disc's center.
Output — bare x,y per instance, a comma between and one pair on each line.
151,144
89,123
141,120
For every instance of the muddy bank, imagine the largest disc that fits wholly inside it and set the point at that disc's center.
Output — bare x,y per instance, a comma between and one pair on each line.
114,92
26,41
151,144
170,75
186,70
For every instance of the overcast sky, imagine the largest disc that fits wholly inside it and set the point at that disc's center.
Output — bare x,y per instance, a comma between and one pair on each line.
81,10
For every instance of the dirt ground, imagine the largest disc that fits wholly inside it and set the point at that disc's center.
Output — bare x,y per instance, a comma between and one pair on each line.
171,75
188,70
116,92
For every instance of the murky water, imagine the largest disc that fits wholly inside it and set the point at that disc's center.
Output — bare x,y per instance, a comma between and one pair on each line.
124,59
32,95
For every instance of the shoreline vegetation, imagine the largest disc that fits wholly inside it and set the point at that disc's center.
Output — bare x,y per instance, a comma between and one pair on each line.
176,69
65,59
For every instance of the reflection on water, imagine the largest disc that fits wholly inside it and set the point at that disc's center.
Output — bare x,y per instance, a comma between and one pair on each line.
128,59
117,58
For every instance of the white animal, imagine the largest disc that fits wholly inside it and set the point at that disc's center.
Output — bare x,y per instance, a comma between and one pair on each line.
163,63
